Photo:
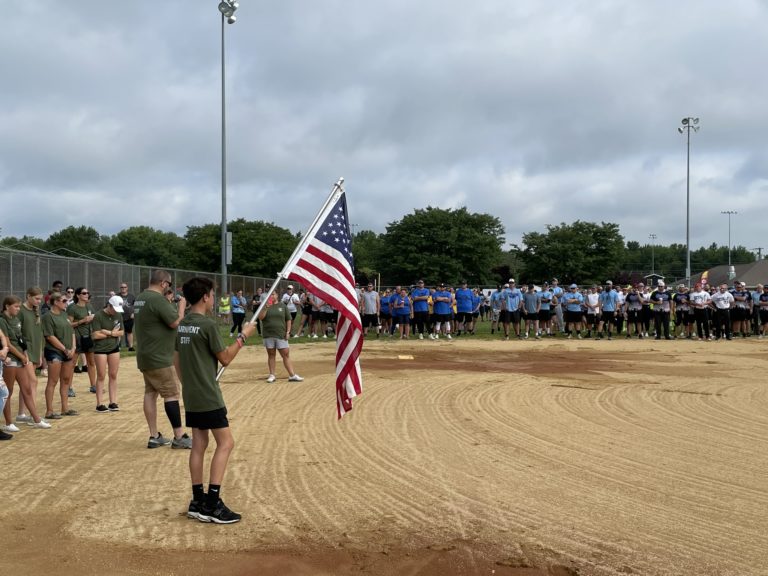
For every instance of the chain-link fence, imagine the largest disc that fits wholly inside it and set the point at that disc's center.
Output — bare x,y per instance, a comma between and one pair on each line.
20,270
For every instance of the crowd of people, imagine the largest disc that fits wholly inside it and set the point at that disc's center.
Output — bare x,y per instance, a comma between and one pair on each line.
599,311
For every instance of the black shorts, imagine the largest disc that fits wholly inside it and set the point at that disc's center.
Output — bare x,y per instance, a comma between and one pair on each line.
738,314
508,316
328,316
212,420
315,314
464,316
572,317
115,349
633,316
607,316
370,320
442,317
305,310
385,315
84,343
544,315
763,316
128,325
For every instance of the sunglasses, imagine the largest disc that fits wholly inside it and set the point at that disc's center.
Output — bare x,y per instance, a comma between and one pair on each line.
84,293
70,291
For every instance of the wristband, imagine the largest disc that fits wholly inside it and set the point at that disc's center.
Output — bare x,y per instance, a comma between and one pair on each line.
242,337
239,342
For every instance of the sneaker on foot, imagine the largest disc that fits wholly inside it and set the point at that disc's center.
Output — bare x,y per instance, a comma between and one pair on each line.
185,442
271,378
218,515
131,349
71,412
421,336
157,441
194,510
5,436
449,337
113,407
92,389
295,378
10,428
42,425
71,393
77,370
101,408
44,372
21,418
53,416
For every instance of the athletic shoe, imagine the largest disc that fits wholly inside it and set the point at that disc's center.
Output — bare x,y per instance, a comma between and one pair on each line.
437,336
449,337
295,378
421,336
314,336
5,436
156,442
194,510
92,389
53,416
77,370
113,407
432,336
21,418
101,408
183,443
44,372
271,378
42,425
71,412
71,393
84,369
10,428
131,349
218,515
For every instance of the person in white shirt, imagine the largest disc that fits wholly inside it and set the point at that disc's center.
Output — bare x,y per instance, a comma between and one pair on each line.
292,301
699,301
722,301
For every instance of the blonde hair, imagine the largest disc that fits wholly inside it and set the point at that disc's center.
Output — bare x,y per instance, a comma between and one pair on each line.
32,292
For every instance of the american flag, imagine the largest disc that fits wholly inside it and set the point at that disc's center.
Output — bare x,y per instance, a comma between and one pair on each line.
324,266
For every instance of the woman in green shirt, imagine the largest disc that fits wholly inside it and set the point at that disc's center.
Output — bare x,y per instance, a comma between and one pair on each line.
32,331
107,330
16,363
59,351
81,314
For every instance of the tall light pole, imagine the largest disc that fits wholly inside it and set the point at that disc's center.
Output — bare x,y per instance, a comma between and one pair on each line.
688,124
730,213
227,9
653,252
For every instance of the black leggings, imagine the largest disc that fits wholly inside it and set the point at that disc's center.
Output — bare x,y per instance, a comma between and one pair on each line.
420,321
237,321
702,322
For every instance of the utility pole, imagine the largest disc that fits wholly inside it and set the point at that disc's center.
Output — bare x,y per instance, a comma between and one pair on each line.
759,252
653,252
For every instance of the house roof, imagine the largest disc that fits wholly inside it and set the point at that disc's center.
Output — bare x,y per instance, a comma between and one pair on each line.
751,274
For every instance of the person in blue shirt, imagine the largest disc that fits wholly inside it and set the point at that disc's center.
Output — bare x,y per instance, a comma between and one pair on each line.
572,315
545,310
403,311
463,307
558,293
495,309
420,298
511,301
531,309
609,303
385,312
661,298
742,306
442,308
478,299
395,315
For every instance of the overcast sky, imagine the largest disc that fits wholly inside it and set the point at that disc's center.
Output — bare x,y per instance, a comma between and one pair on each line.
538,112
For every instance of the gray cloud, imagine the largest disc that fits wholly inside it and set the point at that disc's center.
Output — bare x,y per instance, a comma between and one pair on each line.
536,112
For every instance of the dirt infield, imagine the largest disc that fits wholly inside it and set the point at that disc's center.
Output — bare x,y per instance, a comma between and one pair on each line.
551,458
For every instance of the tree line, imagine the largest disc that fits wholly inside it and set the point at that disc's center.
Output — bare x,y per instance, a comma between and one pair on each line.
435,244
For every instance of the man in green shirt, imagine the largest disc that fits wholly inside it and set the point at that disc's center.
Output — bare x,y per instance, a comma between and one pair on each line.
199,350
156,320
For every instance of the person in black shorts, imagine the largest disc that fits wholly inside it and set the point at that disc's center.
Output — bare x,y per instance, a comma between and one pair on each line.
199,350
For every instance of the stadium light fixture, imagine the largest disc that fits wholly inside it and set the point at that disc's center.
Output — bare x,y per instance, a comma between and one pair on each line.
688,124
227,9
730,213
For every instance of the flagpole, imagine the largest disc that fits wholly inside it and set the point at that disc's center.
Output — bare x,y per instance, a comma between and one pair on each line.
291,261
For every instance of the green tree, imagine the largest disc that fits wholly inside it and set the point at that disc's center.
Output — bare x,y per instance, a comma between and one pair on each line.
258,248
23,243
579,252
438,244
80,240
146,246
366,246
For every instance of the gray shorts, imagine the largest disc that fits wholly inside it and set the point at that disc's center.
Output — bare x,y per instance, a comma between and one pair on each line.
272,343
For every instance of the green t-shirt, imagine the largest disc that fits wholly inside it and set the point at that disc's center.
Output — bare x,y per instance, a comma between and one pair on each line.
58,325
153,315
11,327
103,321
78,313
197,342
275,323
32,330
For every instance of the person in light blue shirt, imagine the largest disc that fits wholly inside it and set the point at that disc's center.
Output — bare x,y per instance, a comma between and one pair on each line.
511,301
477,303
545,309
573,302
609,303
495,309
442,307
558,293
531,309
420,298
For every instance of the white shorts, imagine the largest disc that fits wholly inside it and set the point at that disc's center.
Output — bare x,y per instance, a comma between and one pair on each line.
272,343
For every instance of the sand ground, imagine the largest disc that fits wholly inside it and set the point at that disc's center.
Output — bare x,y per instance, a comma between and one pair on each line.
550,458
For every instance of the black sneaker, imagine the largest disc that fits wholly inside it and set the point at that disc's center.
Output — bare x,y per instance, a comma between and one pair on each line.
114,407
219,515
157,441
101,408
5,436
194,510
77,370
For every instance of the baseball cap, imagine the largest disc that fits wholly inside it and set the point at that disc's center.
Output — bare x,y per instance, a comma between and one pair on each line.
506,285
660,283
573,286
290,286
511,280
609,282
117,303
